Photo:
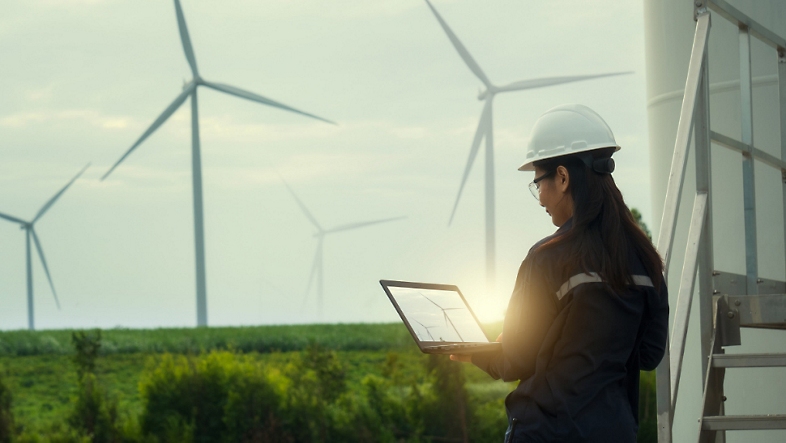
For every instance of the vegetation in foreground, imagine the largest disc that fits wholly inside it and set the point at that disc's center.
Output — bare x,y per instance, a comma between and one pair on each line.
313,393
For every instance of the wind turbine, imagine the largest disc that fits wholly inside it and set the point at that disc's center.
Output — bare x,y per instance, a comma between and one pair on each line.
29,228
485,131
427,329
445,315
190,90
316,267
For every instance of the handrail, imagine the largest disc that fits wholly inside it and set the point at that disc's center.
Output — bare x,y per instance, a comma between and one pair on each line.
758,30
680,156
676,179
746,149
685,296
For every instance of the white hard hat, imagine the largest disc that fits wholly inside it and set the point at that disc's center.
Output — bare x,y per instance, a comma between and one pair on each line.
567,129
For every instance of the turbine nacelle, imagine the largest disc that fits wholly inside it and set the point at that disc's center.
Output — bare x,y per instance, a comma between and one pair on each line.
490,91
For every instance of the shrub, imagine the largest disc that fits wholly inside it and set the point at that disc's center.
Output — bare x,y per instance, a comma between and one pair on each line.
59,433
218,397
86,346
93,413
252,411
648,415
318,379
446,415
184,392
6,415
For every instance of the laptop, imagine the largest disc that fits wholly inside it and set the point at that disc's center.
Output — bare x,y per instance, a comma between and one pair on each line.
438,317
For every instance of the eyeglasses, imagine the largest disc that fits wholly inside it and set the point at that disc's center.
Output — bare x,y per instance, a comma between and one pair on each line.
534,187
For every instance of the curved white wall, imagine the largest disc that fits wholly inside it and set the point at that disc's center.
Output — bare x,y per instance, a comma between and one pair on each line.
669,28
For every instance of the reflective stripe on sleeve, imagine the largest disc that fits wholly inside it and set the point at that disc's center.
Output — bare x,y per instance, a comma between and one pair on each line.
593,277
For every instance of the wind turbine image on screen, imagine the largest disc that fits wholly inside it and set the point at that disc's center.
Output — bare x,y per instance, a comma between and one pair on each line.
30,234
317,267
485,131
190,90
445,317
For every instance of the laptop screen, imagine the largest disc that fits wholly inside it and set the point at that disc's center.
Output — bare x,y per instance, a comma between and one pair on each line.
438,315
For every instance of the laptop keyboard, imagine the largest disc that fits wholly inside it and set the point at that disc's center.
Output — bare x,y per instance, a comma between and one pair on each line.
458,346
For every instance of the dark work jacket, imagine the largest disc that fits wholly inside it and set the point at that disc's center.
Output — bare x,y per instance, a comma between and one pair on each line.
576,348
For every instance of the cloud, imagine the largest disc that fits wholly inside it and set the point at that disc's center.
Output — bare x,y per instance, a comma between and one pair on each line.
90,117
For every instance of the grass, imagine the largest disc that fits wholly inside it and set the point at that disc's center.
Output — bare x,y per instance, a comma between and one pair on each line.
263,339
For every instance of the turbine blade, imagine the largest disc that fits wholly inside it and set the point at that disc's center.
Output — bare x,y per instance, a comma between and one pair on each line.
550,81
12,219
362,224
158,122
52,200
46,268
303,207
313,271
237,92
473,152
471,63
186,39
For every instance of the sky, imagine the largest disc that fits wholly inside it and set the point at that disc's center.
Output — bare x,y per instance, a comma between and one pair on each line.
82,79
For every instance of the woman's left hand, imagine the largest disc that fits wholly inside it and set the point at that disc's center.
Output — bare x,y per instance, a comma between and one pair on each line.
466,358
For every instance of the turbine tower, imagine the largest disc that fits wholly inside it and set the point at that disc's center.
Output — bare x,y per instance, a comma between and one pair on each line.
190,90
29,228
316,267
485,131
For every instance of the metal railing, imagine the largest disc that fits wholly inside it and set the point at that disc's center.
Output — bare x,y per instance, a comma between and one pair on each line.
695,120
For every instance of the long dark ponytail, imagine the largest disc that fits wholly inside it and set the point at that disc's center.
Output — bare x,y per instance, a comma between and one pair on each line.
603,230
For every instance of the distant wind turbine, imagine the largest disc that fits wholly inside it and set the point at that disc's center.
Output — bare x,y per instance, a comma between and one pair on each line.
485,130
427,329
29,228
316,267
190,90
445,315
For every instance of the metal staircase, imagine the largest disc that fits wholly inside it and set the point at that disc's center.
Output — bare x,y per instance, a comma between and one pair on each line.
727,302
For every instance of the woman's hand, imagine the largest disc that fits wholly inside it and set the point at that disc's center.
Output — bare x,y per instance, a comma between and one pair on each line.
466,358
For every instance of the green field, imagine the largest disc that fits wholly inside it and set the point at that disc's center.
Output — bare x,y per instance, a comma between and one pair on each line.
38,369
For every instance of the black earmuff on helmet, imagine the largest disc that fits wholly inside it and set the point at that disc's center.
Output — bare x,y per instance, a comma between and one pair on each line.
603,165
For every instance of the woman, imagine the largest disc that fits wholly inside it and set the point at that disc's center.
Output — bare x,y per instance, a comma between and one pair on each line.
590,307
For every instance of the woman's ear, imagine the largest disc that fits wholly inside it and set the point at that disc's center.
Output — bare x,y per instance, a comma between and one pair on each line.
562,179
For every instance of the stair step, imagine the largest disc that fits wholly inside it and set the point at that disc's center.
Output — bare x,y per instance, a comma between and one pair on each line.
743,422
748,360
760,311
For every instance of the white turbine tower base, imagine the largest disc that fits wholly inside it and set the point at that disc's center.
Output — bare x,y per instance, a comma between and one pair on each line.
29,228
190,90
485,131
316,267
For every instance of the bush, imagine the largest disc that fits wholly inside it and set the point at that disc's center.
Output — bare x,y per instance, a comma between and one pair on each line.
318,379
6,415
219,397
59,433
94,415
86,346
446,414
186,396
648,409
252,411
